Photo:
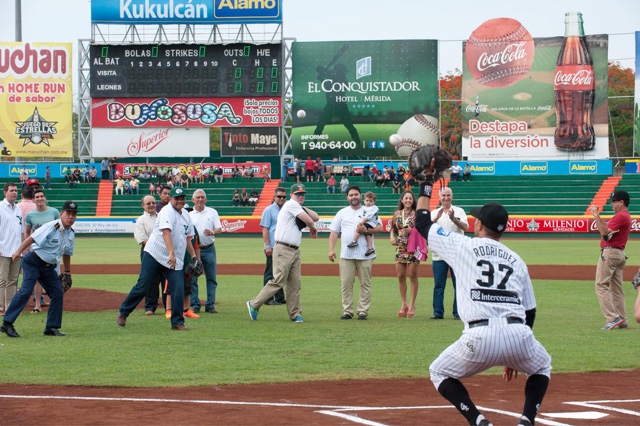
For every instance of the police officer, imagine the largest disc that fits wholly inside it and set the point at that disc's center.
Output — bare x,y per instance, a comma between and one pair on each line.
52,242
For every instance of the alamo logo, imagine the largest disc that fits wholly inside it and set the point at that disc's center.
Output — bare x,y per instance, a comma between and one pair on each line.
36,129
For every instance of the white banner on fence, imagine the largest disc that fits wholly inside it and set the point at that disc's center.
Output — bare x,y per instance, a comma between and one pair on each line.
146,142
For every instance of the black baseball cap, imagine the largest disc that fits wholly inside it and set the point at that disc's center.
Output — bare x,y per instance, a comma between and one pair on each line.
492,215
70,206
620,195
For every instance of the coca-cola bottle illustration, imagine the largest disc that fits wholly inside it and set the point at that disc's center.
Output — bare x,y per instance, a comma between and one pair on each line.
574,87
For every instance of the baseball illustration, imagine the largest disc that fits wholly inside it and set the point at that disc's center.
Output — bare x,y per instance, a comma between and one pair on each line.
416,131
499,52
301,113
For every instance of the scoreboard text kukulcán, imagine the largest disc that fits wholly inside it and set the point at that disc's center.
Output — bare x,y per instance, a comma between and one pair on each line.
186,70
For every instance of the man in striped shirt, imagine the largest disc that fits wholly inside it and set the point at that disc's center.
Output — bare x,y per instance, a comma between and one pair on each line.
353,260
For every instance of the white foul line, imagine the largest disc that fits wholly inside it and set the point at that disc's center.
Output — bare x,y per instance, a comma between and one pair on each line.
354,419
607,408
517,415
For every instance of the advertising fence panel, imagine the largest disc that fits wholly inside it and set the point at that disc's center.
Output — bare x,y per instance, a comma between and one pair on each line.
350,97
164,142
36,96
535,98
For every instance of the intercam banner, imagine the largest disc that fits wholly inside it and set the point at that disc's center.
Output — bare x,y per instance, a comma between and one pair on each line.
509,105
350,97
36,97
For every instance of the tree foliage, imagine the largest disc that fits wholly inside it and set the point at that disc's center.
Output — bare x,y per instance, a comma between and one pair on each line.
451,112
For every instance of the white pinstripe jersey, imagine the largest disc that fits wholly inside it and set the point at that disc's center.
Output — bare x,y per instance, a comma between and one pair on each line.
345,222
181,227
492,281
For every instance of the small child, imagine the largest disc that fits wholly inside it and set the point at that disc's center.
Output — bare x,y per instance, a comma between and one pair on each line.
369,220
152,188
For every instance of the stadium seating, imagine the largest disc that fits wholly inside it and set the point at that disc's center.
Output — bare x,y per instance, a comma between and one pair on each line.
631,184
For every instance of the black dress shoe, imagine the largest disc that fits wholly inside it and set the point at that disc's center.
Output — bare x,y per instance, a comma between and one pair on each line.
53,332
179,327
211,310
196,310
435,317
8,329
346,317
362,316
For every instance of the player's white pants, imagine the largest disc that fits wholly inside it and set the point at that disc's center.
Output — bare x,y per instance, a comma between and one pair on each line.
497,344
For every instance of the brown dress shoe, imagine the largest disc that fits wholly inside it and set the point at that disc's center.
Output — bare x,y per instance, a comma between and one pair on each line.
121,321
179,327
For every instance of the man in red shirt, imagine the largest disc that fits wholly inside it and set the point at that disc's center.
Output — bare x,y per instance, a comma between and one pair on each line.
615,234
308,167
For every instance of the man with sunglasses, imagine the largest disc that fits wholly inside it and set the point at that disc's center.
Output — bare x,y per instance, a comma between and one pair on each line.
615,234
268,224
286,254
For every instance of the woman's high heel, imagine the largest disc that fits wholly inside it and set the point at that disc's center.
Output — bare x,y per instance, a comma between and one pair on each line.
411,312
403,311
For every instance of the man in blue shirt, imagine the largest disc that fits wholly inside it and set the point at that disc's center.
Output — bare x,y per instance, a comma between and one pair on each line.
268,225
52,242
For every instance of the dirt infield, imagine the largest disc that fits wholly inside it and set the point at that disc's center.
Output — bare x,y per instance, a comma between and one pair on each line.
354,402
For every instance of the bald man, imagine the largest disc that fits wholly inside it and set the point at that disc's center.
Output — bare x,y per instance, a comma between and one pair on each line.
142,232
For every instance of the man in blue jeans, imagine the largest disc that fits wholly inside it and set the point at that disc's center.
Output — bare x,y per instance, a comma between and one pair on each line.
454,219
207,222
164,254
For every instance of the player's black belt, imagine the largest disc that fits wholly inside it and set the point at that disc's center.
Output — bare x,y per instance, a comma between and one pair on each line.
288,245
485,322
39,259
206,247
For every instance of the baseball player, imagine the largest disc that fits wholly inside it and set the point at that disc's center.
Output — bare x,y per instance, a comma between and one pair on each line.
495,301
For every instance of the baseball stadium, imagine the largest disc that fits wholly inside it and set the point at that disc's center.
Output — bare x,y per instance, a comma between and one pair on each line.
453,249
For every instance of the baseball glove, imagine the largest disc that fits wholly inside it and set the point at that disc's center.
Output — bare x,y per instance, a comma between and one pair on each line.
300,223
194,268
65,281
420,161
636,281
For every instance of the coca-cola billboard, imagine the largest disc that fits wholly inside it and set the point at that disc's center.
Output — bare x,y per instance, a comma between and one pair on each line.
150,142
534,98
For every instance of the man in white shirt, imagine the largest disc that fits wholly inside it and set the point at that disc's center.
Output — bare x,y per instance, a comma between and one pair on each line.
268,223
344,184
455,171
142,231
286,254
452,219
12,225
207,221
164,253
353,260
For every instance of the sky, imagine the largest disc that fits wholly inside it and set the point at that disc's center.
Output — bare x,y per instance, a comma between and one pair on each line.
330,20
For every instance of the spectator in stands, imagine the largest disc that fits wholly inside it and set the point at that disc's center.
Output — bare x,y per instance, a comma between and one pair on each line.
119,186
145,173
86,174
235,173
331,185
235,200
308,169
218,174
104,168
93,174
112,168
24,176
243,172
175,172
77,174
244,197
374,173
152,189
68,175
456,170
47,177
386,178
392,173
154,172
396,185
253,197
204,176
380,179
184,180
194,175
408,181
365,173
127,186
135,186
162,175
248,172
135,172
285,168
72,180
320,174
466,173
298,169
344,184
265,174
400,172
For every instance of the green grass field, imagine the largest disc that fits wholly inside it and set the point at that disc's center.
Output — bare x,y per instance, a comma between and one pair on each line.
230,348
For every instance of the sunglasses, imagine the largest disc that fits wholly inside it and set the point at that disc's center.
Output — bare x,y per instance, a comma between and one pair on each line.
281,196
300,195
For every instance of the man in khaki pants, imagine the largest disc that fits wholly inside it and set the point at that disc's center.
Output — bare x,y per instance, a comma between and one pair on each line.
12,225
353,260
